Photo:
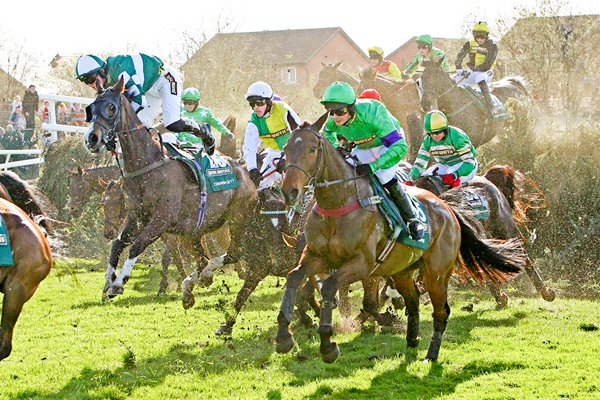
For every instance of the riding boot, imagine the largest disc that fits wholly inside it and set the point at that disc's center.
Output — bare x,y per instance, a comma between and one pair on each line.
208,140
485,91
400,198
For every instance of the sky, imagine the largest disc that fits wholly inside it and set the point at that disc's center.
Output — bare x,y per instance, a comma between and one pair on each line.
121,26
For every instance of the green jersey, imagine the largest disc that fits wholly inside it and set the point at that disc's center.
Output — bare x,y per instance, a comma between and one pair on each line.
415,65
201,115
455,148
371,126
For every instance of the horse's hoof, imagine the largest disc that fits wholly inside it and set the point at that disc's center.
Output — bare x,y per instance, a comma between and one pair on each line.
187,300
205,281
284,345
330,354
224,330
412,343
114,291
548,294
502,301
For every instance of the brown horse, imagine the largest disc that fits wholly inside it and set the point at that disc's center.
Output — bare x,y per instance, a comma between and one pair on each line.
441,92
161,194
19,192
402,99
332,73
32,263
84,182
350,244
496,189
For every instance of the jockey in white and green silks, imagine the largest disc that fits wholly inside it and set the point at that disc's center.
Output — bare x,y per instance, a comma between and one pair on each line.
379,140
271,123
451,149
151,87
202,115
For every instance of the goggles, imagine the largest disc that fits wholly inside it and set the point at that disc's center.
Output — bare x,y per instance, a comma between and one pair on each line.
89,78
436,133
339,112
422,46
257,103
189,102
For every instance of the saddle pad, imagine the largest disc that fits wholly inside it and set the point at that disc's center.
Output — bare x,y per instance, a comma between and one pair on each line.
6,256
389,208
478,204
475,94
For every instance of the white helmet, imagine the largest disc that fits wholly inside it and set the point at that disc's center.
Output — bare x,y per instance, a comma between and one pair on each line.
259,89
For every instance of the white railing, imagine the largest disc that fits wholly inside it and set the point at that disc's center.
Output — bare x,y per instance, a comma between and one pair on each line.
21,163
51,125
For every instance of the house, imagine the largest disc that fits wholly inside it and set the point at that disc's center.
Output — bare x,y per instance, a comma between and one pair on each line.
290,60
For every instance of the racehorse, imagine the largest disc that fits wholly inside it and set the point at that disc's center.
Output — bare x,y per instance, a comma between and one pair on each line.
17,191
32,263
401,99
460,105
115,211
84,182
497,187
332,73
160,196
349,243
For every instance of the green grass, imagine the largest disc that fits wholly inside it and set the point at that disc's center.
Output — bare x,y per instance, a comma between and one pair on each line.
69,345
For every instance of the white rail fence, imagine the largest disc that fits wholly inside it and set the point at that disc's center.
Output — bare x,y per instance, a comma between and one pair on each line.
51,129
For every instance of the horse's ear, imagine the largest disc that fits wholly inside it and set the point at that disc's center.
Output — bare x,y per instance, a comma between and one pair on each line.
318,124
120,86
336,66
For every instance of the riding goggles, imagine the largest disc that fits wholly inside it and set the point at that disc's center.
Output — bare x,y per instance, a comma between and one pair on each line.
89,78
339,112
257,103
189,102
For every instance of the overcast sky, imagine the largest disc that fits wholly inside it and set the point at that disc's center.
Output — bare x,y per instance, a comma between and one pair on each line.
115,26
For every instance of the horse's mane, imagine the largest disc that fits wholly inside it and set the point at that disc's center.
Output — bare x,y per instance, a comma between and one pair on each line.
22,195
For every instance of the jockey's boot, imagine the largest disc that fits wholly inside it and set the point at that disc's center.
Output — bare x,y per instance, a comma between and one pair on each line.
208,140
400,198
487,97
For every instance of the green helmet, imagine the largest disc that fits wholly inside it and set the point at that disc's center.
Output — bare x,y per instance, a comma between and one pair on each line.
339,92
435,121
425,39
191,93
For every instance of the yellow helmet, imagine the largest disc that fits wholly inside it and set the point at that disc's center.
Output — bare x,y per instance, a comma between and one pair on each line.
435,121
481,27
376,50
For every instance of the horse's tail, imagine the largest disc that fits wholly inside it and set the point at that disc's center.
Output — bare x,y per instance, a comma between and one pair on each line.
503,177
22,196
492,259
521,83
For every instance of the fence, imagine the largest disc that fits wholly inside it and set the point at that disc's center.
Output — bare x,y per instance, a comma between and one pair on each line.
21,163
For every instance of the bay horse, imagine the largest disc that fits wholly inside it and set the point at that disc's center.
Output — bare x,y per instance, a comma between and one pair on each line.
441,92
498,189
32,263
349,244
161,193
332,73
19,192
402,99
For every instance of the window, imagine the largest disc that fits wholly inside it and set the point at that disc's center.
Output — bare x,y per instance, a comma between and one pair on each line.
289,74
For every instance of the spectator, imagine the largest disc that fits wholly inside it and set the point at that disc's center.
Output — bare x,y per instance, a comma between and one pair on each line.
13,107
31,102
46,112
20,122
61,114
77,114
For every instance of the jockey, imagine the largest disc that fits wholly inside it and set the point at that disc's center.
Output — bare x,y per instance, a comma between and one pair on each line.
482,53
451,149
202,115
379,141
271,123
384,67
427,51
150,84
370,94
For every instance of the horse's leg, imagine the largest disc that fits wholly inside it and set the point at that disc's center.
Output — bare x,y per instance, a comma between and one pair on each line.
405,284
437,287
187,286
118,245
152,231
165,261
285,339
547,293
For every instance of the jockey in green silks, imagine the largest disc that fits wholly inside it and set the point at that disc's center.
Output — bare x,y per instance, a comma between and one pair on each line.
379,140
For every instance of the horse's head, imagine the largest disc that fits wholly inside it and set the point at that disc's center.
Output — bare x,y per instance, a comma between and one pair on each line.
113,206
329,73
105,115
435,83
304,158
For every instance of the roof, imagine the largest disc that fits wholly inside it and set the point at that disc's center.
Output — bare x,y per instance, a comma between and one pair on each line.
291,46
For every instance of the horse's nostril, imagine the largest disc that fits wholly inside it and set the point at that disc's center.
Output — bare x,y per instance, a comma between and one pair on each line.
93,139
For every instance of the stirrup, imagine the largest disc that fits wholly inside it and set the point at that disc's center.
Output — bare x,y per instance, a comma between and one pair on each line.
416,229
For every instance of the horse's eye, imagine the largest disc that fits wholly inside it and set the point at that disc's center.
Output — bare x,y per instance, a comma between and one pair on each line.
110,111
313,149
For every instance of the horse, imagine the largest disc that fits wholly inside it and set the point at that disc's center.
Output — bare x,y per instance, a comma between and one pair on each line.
349,243
161,197
84,182
402,99
114,211
19,192
32,263
498,188
332,73
441,92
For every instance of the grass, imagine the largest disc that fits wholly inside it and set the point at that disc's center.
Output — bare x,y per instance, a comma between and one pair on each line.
70,345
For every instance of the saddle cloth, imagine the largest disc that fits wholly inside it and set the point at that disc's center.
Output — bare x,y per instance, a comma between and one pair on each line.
6,256
213,173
